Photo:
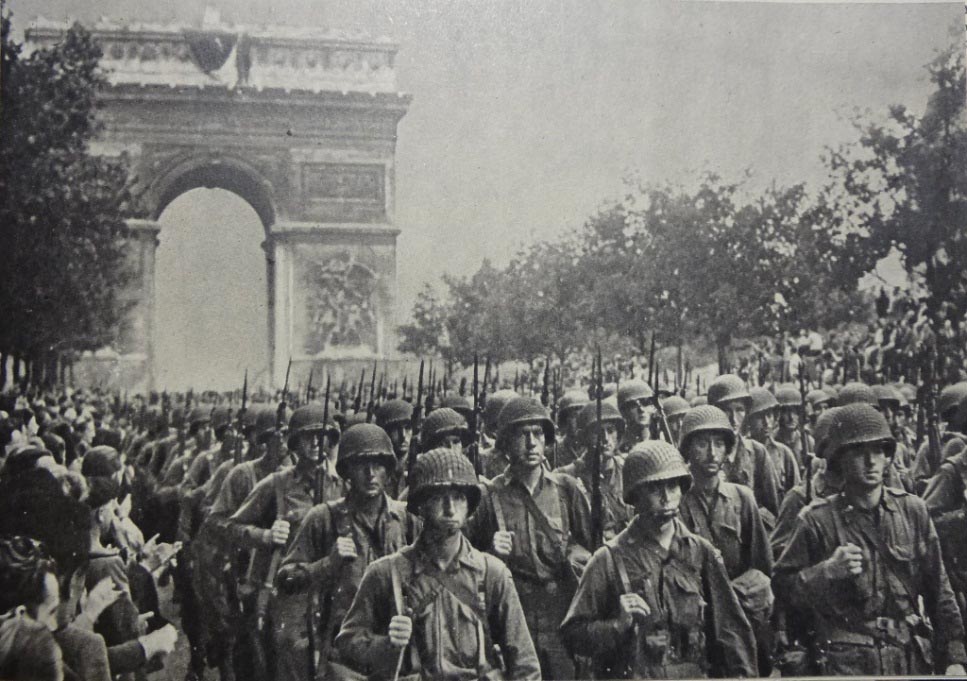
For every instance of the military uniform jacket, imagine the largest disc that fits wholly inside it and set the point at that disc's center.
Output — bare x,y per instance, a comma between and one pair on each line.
695,612
312,560
538,557
785,464
902,563
750,465
458,616
731,522
945,490
617,514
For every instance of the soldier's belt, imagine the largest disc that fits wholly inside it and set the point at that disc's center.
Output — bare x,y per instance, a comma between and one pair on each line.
872,633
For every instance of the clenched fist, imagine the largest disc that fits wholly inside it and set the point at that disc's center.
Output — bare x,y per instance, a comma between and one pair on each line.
280,532
846,561
503,543
346,548
633,608
400,630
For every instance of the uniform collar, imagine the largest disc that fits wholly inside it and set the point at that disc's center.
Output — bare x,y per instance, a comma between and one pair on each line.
467,556
888,501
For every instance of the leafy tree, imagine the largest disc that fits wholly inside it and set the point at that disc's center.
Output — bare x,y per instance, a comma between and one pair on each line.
903,184
62,229
427,333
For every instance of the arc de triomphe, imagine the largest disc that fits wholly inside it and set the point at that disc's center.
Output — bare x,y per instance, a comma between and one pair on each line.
301,124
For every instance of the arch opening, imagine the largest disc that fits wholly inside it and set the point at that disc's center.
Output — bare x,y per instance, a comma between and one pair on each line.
211,299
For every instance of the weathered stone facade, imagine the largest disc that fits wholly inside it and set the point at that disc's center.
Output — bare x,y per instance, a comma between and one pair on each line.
300,124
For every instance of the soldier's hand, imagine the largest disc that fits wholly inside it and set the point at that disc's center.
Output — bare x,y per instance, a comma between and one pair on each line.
346,548
846,561
633,608
280,532
503,542
400,630
99,598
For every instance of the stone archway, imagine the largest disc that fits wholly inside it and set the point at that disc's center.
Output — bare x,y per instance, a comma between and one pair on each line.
302,125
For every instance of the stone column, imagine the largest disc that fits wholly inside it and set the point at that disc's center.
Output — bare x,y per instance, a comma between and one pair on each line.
137,339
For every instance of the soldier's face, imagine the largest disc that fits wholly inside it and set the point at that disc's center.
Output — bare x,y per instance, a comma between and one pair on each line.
736,411
675,425
399,435
763,424
864,465
789,418
889,413
307,446
445,512
637,412
368,478
659,500
609,439
706,454
527,445
451,441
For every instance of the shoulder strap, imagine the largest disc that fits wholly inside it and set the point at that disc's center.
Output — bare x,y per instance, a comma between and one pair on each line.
394,571
619,566
498,509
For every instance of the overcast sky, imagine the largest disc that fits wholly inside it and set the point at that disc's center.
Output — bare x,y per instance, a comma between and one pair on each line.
527,115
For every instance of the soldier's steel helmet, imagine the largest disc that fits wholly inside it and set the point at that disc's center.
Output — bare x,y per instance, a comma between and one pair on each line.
762,401
949,398
816,397
571,401
788,396
391,412
706,418
856,393
441,422
459,404
698,401
635,389
495,403
221,417
200,414
519,411
440,469
673,405
309,418
364,441
856,424
588,417
887,394
726,388
652,461
821,431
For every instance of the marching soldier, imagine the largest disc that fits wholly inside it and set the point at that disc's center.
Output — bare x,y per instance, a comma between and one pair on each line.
444,427
569,447
617,514
818,401
439,608
396,418
862,560
539,523
760,423
726,515
946,489
790,403
636,402
263,524
674,407
339,538
749,463
860,393
951,441
494,461
656,602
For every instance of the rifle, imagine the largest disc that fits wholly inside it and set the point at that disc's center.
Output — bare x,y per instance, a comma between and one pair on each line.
659,409
803,438
358,401
929,401
371,405
415,421
597,515
431,390
463,382
516,379
318,497
545,387
309,387
240,416
268,586
475,419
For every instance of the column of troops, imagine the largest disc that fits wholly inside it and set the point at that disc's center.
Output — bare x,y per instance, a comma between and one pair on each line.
628,534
